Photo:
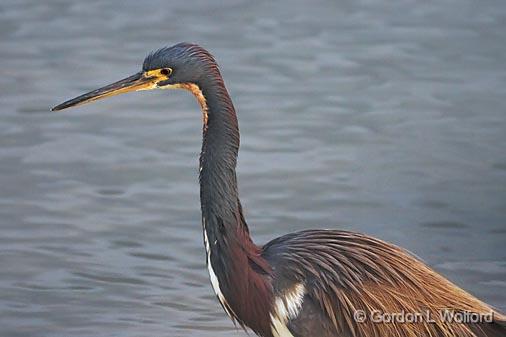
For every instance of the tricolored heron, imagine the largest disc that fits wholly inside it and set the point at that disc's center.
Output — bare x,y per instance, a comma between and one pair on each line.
318,283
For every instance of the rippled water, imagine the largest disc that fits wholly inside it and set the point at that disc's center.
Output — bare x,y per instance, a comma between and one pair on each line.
386,117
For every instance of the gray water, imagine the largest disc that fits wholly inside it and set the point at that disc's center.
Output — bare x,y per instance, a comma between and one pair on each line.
384,117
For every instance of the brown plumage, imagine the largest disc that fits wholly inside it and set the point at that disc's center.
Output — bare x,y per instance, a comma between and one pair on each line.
305,284
346,272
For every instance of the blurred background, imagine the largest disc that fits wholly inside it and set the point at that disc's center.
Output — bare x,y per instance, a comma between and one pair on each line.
384,117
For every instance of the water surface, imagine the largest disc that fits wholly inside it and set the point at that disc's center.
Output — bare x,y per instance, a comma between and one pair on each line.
385,117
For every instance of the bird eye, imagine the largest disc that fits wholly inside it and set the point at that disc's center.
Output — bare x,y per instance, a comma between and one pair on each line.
166,71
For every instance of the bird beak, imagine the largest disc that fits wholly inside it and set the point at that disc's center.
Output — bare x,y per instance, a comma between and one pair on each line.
139,81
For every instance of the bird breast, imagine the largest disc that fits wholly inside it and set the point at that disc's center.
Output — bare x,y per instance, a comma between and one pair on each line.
287,307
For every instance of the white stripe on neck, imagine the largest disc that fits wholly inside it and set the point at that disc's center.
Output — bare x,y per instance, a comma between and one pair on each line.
212,275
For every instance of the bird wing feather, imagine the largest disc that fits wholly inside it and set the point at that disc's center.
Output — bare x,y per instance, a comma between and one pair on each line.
346,272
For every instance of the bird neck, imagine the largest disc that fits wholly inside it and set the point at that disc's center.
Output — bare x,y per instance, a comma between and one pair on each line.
218,182
239,274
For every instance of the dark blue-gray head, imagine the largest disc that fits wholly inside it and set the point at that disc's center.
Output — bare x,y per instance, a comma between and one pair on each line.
186,62
166,68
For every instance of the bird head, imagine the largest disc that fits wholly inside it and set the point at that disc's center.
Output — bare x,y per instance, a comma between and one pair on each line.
179,66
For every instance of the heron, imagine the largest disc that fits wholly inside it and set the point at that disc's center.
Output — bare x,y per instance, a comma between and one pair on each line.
321,283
